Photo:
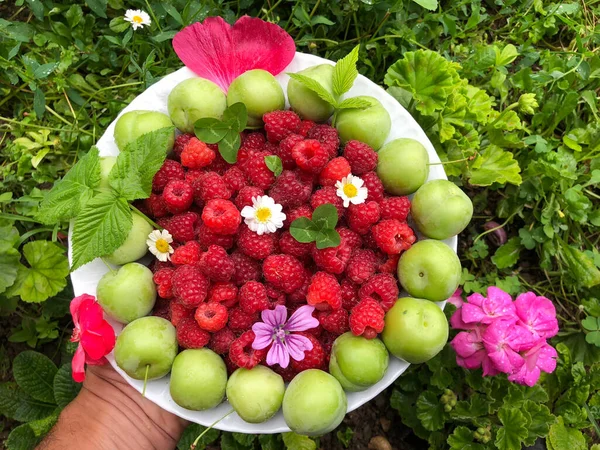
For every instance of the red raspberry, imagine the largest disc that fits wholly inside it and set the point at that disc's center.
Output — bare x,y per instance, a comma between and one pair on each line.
279,124
309,155
289,190
395,208
290,246
374,186
334,171
221,216
221,341
393,236
362,157
287,374
190,335
362,265
242,354
275,296
235,179
327,136
178,196
211,185
196,154
180,142
296,213
299,295
254,245
182,226
390,265
192,175
246,268
335,322
244,197
156,206
244,153
382,288
254,141
180,312
216,264
190,286
257,171
324,292
211,316
164,282
332,259
219,165
225,293
284,151
313,359
240,320
206,238
161,309
189,253
304,127
253,297
170,170
369,241
325,195
366,319
156,265
353,239
363,216
349,294
284,272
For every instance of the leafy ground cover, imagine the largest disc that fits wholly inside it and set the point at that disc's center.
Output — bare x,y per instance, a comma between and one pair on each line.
506,90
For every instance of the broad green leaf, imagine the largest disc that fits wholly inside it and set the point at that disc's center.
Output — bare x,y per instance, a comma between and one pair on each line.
508,54
236,116
65,388
508,254
172,11
229,146
295,441
17,405
325,216
541,419
430,411
462,439
479,104
475,406
304,230
43,426
100,228
427,4
314,86
9,266
562,437
494,165
591,323
39,102
345,72
354,103
228,442
44,70
98,6
34,373
192,432
270,442
22,438
37,7
581,266
514,429
274,164
210,130
244,439
327,237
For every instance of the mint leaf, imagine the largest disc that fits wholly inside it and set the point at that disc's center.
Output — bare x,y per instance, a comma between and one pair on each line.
328,238
34,373
229,146
304,230
354,103
295,441
514,429
314,86
210,130
100,228
325,216
65,388
508,254
274,164
344,72
236,116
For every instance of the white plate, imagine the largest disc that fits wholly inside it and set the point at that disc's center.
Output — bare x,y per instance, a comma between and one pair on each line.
86,278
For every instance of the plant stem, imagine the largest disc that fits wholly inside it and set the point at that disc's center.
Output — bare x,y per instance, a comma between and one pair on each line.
107,264
193,446
145,380
450,162
145,217
153,16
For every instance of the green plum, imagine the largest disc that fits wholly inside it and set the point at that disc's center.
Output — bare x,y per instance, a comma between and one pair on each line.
135,245
429,269
356,362
127,294
133,124
441,209
193,99
198,379
259,91
255,394
305,102
314,403
370,125
403,166
415,330
106,165
147,343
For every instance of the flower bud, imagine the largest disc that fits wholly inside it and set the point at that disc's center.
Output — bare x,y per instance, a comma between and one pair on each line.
527,103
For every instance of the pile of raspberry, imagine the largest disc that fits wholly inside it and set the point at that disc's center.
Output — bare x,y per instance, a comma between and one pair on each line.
222,275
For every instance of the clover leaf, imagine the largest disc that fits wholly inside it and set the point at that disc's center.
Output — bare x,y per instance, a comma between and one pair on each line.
274,164
225,132
320,229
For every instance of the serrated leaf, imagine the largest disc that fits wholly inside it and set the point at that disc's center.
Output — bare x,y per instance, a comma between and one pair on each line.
192,432
244,439
304,230
34,373
274,164
100,228
236,116
65,388
430,411
462,439
325,216
494,165
507,255
22,438
514,429
541,419
17,405
229,146
427,4
295,441
228,442
314,86
270,442
327,238
581,266
562,437
9,266
345,72
354,103
210,130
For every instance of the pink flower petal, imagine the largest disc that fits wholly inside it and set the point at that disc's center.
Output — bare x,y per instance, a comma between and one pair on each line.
274,317
91,315
538,314
263,335
98,342
302,319
95,362
547,359
76,304
466,344
78,365
297,345
498,303
457,322
456,298
472,313
476,299
278,355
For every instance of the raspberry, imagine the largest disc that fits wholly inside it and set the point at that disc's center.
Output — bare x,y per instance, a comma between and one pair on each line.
257,171
246,268
335,322
253,297
275,296
235,179
296,213
299,295
289,190
180,312
190,286
284,272
178,196
211,185
219,165
244,154
390,265
156,206
196,154
242,354
221,341
189,253
353,239
393,236
324,292
325,195
206,238
216,264
225,293
287,374
244,197
279,124
366,319
156,265
284,151
382,288
332,259
369,241
211,316
334,171
313,359
253,141
304,127
309,155
349,294
221,216
374,185
161,309
182,226
362,265
362,157
240,320
327,136
170,170
256,246
164,282
180,142
395,208
193,175
190,335
290,246
363,216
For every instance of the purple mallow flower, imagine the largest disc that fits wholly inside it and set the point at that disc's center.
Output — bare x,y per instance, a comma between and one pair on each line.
276,332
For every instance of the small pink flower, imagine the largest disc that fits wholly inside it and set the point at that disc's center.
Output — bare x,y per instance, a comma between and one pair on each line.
537,314
456,298
471,353
485,310
540,358
503,340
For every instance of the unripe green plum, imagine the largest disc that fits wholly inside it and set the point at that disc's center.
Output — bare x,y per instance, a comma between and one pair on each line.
356,362
198,379
305,102
106,165
133,124
135,245
370,125
314,403
255,394
259,91
403,166
149,342
193,99
441,209
128,294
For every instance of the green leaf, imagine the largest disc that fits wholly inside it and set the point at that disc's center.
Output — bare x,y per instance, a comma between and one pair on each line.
462,439
192,432
508,254
17,405
295,441
9,257
22,438
100,228
236,116
210,130
34,373
44,70
345,72
327,238
430,411
541,419
244,439
229,443
39,102
65,388
562,437
494,165
270,442
37,7
304,230
427,4
508,54
314,86
581,266
229,146
42,426
591,323
98,6
325,216
354,103
475,406
274,164
514,429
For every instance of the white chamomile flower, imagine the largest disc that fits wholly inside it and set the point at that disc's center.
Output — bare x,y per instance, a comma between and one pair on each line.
264,216
138,18
159,244
351,190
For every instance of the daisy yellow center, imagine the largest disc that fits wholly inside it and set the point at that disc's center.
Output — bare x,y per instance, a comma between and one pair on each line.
350,190
263,214
162,246
137,19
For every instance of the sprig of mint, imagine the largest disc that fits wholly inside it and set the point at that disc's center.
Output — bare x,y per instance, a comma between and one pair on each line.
225,132
274,164
319,229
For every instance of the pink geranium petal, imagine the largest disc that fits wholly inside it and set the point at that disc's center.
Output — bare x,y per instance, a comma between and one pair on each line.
472,313
456,298
538,314
108,334
302,319
466,344
78,365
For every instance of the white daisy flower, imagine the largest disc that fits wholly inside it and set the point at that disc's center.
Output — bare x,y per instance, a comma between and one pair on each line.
159,244
138,18
351,190
264,216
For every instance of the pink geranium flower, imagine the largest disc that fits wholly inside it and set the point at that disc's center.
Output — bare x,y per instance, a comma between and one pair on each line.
95,335
537,314
540,358
503,340
480,309
471,353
